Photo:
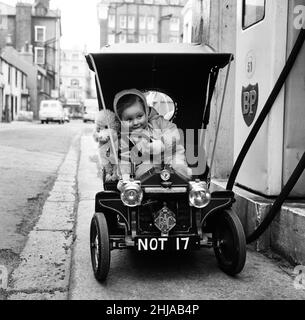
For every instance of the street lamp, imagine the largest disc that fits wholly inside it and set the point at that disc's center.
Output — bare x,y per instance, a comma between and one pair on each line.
162,18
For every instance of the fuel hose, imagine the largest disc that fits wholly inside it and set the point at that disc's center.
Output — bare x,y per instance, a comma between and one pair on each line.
264,113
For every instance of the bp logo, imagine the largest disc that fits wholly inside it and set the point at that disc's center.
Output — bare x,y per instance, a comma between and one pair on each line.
249,103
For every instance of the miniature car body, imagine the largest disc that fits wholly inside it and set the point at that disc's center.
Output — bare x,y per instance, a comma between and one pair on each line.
164,211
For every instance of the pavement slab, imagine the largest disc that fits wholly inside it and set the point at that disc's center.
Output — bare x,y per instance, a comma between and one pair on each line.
45,263
57,217
57,295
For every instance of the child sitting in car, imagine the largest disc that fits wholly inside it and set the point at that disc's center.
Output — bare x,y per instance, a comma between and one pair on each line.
153,139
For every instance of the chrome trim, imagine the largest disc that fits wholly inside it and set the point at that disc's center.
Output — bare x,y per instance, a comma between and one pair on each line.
165,190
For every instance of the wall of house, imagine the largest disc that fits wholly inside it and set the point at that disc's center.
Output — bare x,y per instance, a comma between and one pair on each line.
214,23
12,89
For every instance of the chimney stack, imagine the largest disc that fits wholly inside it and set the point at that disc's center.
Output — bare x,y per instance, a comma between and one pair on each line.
23,24
45,3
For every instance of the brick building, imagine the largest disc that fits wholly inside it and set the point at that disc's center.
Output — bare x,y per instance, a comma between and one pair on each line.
143,21
34,30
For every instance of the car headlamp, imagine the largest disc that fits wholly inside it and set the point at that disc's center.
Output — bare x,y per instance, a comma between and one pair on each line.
199,194
131,193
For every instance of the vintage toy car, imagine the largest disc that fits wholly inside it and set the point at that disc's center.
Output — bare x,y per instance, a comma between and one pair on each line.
163,210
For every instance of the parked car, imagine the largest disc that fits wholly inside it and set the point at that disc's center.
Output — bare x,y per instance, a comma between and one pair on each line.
51,111
90,110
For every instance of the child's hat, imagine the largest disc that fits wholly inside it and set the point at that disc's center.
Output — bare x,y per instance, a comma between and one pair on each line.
123,93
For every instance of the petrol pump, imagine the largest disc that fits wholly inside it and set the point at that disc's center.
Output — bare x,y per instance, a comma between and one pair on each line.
266,34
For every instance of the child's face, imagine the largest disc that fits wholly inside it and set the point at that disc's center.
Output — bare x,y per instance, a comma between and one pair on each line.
134,117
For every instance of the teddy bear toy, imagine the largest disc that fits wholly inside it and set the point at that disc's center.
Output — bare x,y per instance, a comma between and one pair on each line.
101,135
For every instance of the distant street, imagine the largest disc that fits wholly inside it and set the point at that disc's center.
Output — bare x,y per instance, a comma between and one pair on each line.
30,155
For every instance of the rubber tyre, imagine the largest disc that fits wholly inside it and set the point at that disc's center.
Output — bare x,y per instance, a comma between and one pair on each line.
99,247
42,121
229,243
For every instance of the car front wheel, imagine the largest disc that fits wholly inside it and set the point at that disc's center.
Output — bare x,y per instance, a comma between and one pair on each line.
99,246
229,243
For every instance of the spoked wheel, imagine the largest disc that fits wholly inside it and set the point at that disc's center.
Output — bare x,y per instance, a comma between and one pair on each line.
229,243
99,246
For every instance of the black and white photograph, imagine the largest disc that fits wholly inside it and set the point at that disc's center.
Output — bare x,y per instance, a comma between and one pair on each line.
152,153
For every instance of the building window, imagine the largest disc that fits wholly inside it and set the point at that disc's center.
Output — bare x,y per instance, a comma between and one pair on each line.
16,78
142,38
131,22
3,21
75,83
111,21
23,81
174,24
39,55
253,12
174,39
149,1
174,2
75,69
75,56
111,38
122,38
40,34
142,23
151,38
123,22
131,38
9,75
74,95
150,23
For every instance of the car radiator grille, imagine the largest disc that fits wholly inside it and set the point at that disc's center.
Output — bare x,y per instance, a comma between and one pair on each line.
148,210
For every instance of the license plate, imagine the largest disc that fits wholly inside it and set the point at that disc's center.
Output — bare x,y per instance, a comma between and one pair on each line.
163,244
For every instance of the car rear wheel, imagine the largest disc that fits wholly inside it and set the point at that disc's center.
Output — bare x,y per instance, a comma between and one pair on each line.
99,246
229,243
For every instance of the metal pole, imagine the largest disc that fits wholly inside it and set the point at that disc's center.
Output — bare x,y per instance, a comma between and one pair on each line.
104,107
219,119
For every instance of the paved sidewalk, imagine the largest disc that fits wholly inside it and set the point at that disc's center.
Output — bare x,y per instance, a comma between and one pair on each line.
44,271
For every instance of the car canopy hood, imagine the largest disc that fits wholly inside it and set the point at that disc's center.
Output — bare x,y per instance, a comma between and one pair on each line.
181,71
